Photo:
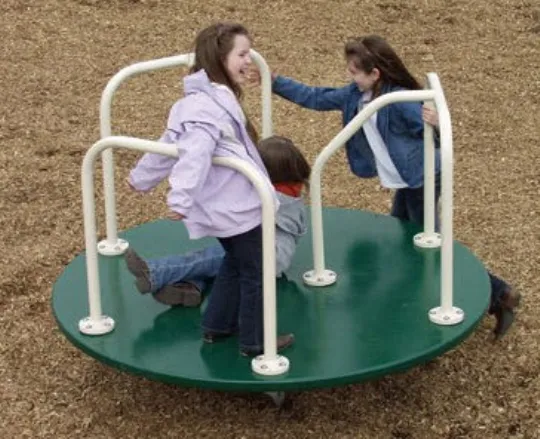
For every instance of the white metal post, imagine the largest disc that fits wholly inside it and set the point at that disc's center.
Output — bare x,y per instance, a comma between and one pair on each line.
320,276
112,245
266,93
446,314
269,363
429,238
96,324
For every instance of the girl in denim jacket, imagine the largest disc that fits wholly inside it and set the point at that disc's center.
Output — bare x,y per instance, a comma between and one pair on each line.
215,200
390,144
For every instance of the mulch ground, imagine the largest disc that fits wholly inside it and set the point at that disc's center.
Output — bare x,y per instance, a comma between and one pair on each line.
57,56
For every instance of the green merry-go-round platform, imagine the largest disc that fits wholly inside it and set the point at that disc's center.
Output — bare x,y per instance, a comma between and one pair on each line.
372,322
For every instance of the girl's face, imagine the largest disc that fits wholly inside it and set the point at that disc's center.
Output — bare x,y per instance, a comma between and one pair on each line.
364,81
239,59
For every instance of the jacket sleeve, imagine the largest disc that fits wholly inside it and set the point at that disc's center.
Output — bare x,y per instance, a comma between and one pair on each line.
314,98
411,112
152,168
195,146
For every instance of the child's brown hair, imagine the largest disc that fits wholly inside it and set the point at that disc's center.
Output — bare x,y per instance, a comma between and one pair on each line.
374,52
284,162
212,45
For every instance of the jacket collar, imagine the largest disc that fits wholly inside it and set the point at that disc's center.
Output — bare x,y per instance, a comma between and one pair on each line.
200,82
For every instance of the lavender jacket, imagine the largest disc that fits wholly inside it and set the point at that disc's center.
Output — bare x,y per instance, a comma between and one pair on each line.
216,201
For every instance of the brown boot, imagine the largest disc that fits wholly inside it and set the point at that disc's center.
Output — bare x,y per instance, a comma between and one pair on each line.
504,312
282,342
511,299
182,293
138,268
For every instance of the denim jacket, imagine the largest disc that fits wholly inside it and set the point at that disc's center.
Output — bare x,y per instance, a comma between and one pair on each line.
400,124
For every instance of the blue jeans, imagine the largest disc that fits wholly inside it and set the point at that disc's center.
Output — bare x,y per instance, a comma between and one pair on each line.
408,205
196,267
235,302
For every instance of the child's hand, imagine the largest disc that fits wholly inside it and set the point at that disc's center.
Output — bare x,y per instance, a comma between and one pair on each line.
133,188
254,77
175,216
130,185
430,116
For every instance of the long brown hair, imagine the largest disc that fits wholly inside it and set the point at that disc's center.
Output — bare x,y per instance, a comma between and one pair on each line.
284,162
212,45
372,52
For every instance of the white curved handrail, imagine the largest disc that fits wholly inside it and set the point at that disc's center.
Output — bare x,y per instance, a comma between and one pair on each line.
336,143
446,314
97,323
111,241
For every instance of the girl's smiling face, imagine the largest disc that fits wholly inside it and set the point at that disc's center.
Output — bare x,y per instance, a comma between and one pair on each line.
238,59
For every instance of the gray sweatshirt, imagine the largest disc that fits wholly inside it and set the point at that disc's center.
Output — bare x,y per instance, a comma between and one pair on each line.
290,226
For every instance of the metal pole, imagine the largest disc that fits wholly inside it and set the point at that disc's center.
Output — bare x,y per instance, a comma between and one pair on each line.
320,276
267,364
446,314
428,238
112,246
266,93
429,177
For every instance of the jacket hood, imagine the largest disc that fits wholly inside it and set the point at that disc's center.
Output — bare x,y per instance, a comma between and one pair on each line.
197,82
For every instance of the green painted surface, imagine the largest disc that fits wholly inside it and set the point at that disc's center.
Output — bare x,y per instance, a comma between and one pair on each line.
372,322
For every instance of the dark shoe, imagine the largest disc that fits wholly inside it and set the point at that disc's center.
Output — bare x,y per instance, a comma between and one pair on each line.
504,312
283,342
213,337
138,268
505,318
511,299
182,293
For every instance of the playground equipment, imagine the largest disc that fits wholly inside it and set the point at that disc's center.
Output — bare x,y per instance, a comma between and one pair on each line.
364,318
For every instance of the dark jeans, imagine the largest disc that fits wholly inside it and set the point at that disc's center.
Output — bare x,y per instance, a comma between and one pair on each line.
235,302
408,205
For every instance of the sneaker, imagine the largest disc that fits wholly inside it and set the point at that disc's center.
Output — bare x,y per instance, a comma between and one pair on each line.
504,312
283,342
138,268
182,293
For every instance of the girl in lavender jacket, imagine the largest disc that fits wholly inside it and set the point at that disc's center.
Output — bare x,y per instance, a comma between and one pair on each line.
215,200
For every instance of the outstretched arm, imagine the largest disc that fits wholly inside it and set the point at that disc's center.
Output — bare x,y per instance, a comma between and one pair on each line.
152,168
315,98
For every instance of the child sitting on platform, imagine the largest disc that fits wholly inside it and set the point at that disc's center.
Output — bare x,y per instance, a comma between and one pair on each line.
180,279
